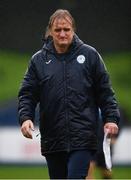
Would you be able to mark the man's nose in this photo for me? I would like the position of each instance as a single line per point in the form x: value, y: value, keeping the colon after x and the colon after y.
x: 62, y: 33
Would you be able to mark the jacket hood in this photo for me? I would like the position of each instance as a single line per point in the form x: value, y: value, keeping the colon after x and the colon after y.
x: 48, y: 44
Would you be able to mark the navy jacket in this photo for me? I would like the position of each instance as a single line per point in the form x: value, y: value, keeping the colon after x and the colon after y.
x: 69, y: 88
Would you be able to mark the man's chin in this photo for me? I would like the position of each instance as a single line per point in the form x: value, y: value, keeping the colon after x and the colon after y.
x: 64, y: 44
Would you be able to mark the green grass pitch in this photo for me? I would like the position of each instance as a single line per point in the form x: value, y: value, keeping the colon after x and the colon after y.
x: 41, y: 172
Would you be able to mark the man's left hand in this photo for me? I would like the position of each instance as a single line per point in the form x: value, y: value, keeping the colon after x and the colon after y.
x: 112, y: 128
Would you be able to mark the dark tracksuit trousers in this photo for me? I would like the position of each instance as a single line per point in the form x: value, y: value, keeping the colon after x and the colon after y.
x: 69, y: 165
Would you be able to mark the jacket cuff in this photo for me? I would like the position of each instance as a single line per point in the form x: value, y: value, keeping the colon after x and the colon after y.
x: 113, y: 120
x: 23, y: 119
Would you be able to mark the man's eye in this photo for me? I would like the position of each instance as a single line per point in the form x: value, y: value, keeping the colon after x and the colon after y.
x: 66, y: 29
x: 57, y: 30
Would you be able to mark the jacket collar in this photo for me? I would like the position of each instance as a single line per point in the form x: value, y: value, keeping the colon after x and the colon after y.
x: 48, y: 44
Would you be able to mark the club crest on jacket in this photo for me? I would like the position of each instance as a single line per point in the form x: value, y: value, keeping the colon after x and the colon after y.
x: 81, y: 59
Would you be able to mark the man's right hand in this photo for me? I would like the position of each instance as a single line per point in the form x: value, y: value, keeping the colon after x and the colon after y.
x: 26, y: 129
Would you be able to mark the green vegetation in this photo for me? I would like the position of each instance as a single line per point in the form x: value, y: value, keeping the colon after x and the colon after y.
x: 41, y: 172
x: 119, y: 67
x: 12, y: 69
x: 13, y: 66
x: 23, y: 172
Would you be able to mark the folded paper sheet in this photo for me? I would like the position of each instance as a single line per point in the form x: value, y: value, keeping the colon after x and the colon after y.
x: 107, y: 151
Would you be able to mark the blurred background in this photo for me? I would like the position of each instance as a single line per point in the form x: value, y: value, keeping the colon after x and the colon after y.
x: 103, y: 24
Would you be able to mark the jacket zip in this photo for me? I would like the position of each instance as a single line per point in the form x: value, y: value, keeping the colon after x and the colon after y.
x: 66, y: 106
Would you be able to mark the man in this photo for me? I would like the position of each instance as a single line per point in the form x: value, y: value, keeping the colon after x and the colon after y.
x: 70, y: 82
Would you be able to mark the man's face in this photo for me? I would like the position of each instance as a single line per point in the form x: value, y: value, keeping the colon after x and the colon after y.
x: 62, y: 32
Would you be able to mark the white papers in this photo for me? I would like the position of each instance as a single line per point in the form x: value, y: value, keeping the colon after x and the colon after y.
x: 107, y: 151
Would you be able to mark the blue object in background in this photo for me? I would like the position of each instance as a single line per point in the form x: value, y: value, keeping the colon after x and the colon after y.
x: 9, y: 114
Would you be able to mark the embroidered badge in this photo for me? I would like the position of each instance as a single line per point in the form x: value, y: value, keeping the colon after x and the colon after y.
x: 81, y: 59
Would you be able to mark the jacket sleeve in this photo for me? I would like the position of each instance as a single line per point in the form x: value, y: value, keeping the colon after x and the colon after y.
x: 28, y: 95
x: 105, y: 96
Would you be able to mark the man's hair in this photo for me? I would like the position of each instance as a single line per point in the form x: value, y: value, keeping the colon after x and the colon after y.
x: 60, y: 13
